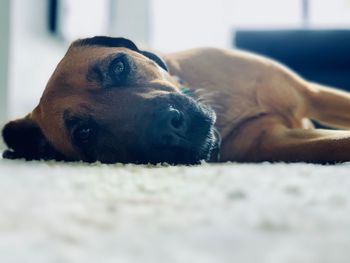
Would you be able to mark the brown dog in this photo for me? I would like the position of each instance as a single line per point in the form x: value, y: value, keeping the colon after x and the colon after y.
x: 109, y: 101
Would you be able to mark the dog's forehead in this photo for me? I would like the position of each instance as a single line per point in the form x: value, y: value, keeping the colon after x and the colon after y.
x: 85, y: 55
x: 72, y: 70
x: 71, y: 81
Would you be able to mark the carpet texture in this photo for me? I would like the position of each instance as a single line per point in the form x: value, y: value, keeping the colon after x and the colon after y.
x: 266, y: 213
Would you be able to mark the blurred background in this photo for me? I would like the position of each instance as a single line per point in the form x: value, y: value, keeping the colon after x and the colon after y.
x: 310, y: 36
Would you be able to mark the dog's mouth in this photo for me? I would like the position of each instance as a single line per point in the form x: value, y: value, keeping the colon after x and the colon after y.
x: 188, y: 138
x: 188, y: 153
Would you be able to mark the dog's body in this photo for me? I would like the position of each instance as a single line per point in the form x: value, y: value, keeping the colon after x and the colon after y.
x: 263, y: 109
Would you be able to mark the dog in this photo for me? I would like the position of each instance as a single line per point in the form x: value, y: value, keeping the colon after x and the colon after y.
x: 110, y: 101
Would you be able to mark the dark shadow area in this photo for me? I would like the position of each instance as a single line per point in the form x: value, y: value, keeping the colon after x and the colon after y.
x: 52, y: 16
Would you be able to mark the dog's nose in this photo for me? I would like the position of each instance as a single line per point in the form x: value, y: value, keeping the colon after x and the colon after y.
x: 171, y: 127
x: 175, y: 119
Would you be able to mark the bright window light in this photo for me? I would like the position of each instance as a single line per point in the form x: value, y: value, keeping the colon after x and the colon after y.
x: 263, y: 14
x: 330, y: 13
x: 82, y: 18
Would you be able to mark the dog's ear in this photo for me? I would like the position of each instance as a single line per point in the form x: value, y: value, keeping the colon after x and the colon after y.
x: 119, y: 42
x: 25, y: 140
x: 106, y: 42
x: 156, y: 59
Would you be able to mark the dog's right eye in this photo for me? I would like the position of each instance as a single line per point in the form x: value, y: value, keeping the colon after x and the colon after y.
x: 83, y: 135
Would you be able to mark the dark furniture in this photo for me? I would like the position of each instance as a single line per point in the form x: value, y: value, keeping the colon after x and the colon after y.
x: 318, y: 55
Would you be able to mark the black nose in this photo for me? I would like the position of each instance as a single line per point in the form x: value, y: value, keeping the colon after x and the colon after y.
x: 170, y: 127
x: 175, y: 119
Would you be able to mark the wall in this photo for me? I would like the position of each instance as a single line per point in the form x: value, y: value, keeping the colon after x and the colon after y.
x: 131, y: 19
x: 4, y: 46
x: 183, y: 24
x: 34, y: 55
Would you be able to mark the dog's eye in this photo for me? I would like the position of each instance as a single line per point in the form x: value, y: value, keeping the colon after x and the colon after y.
x: 119, y: 69
x: 83, y: 135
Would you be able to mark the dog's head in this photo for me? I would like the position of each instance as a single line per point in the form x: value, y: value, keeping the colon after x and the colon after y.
x: 109, y: 101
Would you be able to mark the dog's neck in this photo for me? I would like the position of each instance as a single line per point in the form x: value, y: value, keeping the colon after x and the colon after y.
x: 182, y: 85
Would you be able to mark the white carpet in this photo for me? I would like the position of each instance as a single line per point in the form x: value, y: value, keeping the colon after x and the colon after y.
x: 264, y: 213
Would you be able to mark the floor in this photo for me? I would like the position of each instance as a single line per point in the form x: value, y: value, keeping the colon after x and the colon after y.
x: 266, y: 213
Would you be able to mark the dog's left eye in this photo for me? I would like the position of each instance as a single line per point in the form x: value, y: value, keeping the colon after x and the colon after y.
x: 119, y: 69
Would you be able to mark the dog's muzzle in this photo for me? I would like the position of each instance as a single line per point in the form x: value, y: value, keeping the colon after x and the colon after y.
x: 183, y: 132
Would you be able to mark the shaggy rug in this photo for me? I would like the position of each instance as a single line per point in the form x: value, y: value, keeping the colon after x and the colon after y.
x: 266, y: 213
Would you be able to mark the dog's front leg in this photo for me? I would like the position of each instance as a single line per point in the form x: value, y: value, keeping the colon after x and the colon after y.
x: 300, y: 145
x: 269, y: 140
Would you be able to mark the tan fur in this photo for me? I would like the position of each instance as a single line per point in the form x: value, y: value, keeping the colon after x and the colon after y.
x: 264, y: 108
x: 69, y: 89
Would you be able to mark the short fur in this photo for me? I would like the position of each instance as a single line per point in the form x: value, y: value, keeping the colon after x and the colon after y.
x: 264, y: 110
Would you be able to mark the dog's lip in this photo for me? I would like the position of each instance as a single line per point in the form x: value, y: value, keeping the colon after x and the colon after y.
x: 189, y: 152
x: 214, y: 155
x: 181, y: 136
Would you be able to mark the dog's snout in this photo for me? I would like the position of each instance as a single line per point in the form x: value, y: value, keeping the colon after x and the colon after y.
x: 175, y: 119
x: 170, y: 127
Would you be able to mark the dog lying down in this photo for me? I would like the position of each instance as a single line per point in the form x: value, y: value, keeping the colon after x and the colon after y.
x: 109, y: 101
